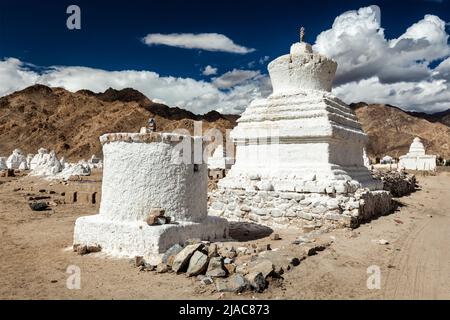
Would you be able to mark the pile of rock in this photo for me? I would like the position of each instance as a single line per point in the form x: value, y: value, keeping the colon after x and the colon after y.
x: 84, y: 249
x: 249, y: 267
x: 292, y: 209
x: 399, y: 183
x: 231, y: 269
x: 43, y: 200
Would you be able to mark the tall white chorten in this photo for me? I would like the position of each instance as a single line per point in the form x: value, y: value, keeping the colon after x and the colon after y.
x: 416, y: 159
x: 300, y: 139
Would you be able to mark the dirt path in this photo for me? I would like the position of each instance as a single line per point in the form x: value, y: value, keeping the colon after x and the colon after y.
x: 424, y: 261
x: 414, y: 265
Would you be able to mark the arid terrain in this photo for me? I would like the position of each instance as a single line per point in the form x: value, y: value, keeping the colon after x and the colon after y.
x: 391, y: 130
x: 36, y: 251
x: 71, y: 123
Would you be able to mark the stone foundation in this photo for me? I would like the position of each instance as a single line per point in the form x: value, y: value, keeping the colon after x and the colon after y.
x: 293, y: 209
x: 399, y: 184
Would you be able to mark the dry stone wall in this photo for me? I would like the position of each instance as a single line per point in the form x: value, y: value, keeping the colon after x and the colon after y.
x: 292, y: 209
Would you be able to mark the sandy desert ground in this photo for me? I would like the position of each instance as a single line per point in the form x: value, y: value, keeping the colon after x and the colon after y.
x: 35, y: 254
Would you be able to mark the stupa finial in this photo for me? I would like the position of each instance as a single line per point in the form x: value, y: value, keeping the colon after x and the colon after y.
x: 302, y: 34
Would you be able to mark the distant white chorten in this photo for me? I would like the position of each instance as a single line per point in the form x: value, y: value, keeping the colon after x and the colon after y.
x: 416, y: 159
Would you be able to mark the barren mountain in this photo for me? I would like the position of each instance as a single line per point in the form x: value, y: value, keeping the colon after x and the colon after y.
x: 71, y: 123
x: 442, y: 117
x: 391, y: 130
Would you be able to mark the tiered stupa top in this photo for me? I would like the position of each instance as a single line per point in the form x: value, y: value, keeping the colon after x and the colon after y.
x: 416, y: 148
x: 302, y: 69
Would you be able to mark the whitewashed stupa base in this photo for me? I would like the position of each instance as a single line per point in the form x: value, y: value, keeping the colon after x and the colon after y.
x: 130, y: 239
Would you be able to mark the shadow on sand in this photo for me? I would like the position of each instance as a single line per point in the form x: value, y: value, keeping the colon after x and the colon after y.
x: 248, y: 231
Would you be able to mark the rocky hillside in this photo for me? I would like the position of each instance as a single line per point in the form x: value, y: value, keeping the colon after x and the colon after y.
x: 442, y: 117
x: 71, y: 123
x: 391, y: 130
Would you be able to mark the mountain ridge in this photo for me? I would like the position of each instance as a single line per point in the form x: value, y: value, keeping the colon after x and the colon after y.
x: 71, y: 122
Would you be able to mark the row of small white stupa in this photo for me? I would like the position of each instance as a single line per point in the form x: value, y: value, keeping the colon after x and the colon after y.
x: 46, y: 164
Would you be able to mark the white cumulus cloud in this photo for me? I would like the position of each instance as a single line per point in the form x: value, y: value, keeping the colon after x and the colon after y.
x: 209, y: 71
x: 203, y: 41
x: 411, y: 71
x: 194, y: 95
x: 235, y: 77
x: 398, y: 71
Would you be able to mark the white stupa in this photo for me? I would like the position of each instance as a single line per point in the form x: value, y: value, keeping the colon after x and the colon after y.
x: 416, y: 159
x: 144, y: 171
x: 387, y: 160
x: 45, y: 164
x: 16, y: 160
x: 300, y: 139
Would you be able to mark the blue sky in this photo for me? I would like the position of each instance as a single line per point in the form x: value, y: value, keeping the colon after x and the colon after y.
x: 36, y: 46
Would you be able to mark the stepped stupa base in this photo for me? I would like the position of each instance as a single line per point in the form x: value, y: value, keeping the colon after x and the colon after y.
x: 130, y: 239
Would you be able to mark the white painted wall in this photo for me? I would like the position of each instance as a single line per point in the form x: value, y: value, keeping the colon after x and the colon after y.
x: 140, y: 176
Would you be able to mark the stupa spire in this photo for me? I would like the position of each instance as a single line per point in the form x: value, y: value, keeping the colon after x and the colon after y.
x: 302, y: 34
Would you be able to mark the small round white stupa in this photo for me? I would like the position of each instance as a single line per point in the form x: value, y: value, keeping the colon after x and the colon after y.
x: 45, y: 164
x: 142, y: 172
x: 16, y: 159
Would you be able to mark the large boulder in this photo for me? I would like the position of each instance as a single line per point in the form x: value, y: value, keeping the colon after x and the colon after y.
x: 181, y: 260
x: 197, y: 264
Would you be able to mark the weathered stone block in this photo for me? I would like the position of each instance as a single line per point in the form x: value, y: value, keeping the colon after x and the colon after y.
x: 276, y: 213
